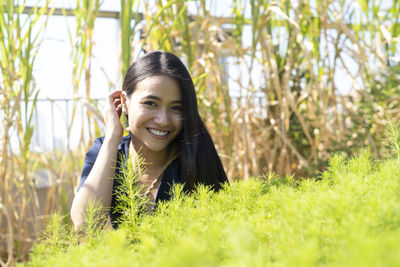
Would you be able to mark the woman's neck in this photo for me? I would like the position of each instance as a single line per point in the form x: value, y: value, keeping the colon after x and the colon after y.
x: 152, y: 160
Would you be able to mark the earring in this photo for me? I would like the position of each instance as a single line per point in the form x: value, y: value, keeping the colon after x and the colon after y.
x: 124, y: 120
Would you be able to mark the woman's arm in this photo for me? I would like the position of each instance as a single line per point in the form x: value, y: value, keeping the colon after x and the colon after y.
x: 99, y: 183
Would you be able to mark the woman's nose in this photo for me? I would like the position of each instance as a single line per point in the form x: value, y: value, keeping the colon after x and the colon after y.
x: 162, y: 118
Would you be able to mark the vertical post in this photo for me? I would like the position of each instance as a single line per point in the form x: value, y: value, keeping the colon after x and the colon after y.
x: 37, y: 126
x: 67, y: 123
x: 52, y: 124
x: 83, y: 124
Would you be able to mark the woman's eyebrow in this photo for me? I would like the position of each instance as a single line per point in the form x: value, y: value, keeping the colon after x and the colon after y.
x: 152, y: 97
x: 159, y: 99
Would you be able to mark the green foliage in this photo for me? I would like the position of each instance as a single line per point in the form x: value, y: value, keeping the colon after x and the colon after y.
x: 131, y: 202
x: 348, y: 217
x: 59, y: 237
x: 56, y: 238
x: 378, y: 102
x: 127, y: 32
x: 94, y: 221
x: 393, y: 137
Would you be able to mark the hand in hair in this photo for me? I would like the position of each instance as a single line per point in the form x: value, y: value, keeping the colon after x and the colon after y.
x: 112, y: 113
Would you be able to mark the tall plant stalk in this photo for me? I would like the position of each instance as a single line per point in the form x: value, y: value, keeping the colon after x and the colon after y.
x: 82, y: 45
x: 129, y: 19
x: 19, y: 42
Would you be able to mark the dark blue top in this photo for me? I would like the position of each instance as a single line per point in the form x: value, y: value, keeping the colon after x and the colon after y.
x: 172, y: 174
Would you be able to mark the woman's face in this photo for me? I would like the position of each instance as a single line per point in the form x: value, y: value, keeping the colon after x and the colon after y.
x: 155, y: 112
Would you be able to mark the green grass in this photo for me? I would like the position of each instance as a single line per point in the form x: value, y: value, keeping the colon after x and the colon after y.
x: 348, y: 217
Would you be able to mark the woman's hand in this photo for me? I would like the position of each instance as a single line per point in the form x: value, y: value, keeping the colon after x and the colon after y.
x: 112, y: 113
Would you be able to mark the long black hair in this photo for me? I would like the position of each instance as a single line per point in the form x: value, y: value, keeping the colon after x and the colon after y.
x: 199, y: 159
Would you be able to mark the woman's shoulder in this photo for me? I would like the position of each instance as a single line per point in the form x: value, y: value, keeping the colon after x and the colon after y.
x: 125, y: 139
x: 122, y: 147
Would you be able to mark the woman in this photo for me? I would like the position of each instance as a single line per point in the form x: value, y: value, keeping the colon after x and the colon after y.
x: 166, y: 130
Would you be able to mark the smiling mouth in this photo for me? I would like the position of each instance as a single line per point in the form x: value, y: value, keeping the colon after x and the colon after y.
x: 158, y: 132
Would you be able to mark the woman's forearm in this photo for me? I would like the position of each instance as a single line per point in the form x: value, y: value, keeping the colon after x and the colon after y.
x: 99, y: 183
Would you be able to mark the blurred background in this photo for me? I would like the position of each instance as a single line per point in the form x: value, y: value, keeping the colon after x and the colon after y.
x: 281, y: 85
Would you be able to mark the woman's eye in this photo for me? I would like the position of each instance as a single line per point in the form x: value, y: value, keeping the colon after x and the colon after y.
x: 150, y: 103
x: 177, y: 108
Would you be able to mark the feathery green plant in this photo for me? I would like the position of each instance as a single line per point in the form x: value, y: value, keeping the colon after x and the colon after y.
x: 350, y: 217
x: 59, y: 236
x: 131, y: 203
x: 95, y: 220
x: 392, y: 139
x: 56, y: 232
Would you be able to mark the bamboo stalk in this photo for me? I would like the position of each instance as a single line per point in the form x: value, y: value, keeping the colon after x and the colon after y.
x: 18, y: 53
x: 10, y: 238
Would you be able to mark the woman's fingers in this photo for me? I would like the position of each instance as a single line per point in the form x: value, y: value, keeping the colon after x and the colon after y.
x: 114, y: 99
x: 116, y: 94
x: 117, y: 101
x: 118, y: 109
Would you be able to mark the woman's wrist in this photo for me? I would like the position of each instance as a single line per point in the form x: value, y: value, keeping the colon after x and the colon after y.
x: 112, y: 140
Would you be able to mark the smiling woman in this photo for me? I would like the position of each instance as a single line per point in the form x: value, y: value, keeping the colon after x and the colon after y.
x: 165, y: 130
x: 155, y: 114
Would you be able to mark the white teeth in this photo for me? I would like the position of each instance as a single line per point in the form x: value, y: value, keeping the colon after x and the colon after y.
x: 157, y: 132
